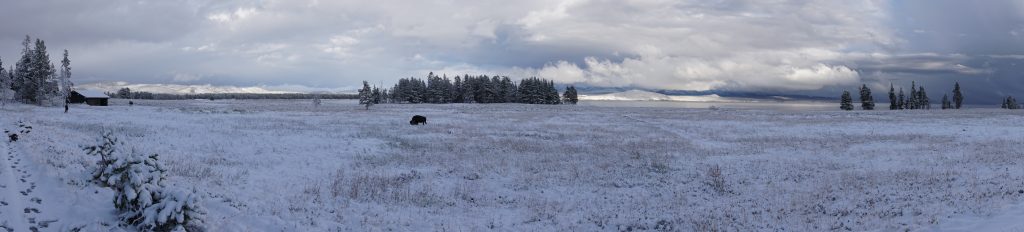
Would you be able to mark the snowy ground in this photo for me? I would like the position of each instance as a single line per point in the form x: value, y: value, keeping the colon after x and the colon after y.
x: 285, y: 166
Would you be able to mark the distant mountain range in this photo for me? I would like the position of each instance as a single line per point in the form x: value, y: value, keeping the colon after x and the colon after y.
x: 193, y: 89
x: 717, y: 94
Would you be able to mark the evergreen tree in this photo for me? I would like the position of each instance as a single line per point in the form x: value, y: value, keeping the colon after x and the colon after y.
x: 867, y: 102
x: 366, y: 95
x: 376, y: 95
x: 570, y: 96
x: 958, y: 97
x: 65, y: 77
x: 893, y: 105
x: 946, y: 104
x: 912, y: 98
x: 5, y: 84
x: 901, y: 102
x: 922, y: 99
x: 124, y: 93
x: 24, y: 85
x: 1010, y: 103
x: 43, y: 74
x: 456, y: 93
x: 846, y: 102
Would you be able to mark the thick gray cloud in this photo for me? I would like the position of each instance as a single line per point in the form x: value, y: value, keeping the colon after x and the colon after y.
x: 813, y: 47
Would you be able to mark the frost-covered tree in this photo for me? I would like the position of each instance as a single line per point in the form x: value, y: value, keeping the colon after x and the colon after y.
x: 893, y: 105
x: 867, y: 102
x: 134, y: 177
x: 845, y: 101
x: 366, y: 95
x: 5, y: 84
x: 24, y: 84
x: 65, y: 77
x: 44, y: 74
x: 958, y: 97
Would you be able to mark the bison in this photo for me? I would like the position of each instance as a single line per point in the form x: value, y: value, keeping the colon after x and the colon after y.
x: 418, y: 119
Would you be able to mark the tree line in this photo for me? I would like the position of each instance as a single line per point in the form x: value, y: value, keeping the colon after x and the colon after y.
x: 33, y: 79
x: 468, y: 89
x: 916, y: 100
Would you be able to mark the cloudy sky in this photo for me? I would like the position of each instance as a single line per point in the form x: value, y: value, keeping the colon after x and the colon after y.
x: 772, y: 46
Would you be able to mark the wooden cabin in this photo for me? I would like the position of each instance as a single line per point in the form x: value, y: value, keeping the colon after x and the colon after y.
x: 91, y: 97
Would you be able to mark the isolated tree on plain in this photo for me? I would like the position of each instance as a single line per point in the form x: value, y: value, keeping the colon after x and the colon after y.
x: 946, y: 104
x: 366, y: 95
x: 845, y: 101
x: 316, y: 101
x: 958, y: 97
x: 893, y: 105
x: 867, y: 102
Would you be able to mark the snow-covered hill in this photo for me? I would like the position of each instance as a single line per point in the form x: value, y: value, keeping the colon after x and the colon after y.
x: 180, y: 89
x: 640, y: 95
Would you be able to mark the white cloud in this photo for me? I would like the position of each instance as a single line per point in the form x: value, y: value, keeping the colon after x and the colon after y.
x: 662, y: 44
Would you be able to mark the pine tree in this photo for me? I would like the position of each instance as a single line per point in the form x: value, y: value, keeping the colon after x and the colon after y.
x: 901, y: 102
x: 457, y: 90
x: 24, y: 85
x: 5, y: 84
x: 912, y: 98
x: 65, y: 77
x: 922, y: 99
x: 376, y: 95
x: 958, y: 97
x: 846, y: 102
x: 893, y: 105
x: 570, y: 96
x: 366, y: 95
x: 1011, y: 103
x: 43, y: 74
x: 867, y: 102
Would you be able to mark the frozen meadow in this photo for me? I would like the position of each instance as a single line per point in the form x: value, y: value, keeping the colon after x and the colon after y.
x: 268, y: 165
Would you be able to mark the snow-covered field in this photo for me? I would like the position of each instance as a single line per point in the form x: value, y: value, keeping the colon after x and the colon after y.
x: 285, y: 166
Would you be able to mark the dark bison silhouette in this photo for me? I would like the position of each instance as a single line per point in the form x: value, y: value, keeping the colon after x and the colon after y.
x: 418, y: 119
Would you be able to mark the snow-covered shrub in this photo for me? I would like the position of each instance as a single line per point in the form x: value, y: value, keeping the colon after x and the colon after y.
x: 175, y: 210
x: 139, y: 193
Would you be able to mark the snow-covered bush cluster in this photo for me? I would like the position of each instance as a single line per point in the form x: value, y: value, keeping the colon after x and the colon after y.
x: 139, y: 192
